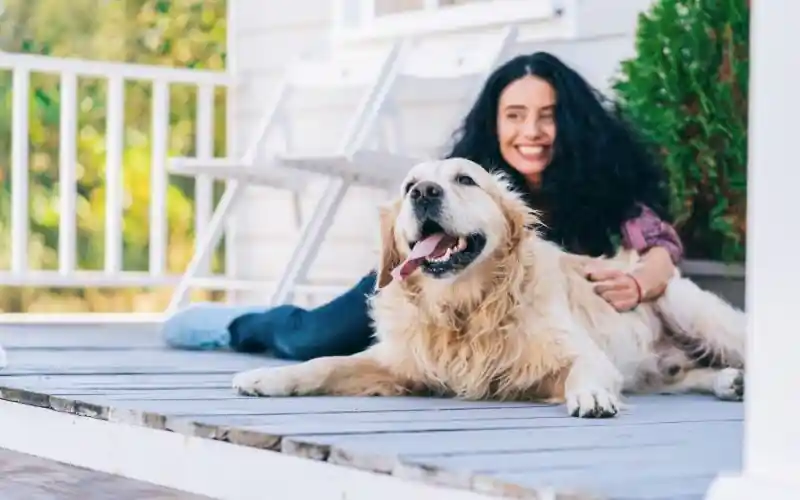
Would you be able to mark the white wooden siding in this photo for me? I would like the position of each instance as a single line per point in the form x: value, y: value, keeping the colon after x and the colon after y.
x: 267, y: 35
x: 593, y: 38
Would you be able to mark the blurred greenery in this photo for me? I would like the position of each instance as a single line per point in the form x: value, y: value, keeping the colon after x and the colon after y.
x: 174, y: 33
x: 687, y: 89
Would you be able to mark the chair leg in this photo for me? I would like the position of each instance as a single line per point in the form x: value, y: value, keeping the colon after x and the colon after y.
x: 205, y: 246
x: 310, y: 240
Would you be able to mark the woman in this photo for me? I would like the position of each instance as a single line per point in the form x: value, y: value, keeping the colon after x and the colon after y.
x: 541, y: 123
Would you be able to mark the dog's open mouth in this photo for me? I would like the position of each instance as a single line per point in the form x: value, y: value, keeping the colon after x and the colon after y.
x: 439, y: 253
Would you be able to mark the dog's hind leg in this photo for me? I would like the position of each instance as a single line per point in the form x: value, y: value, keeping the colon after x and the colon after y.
x: 711, y: 330
x: 357, y: 375
x: 725, y: 383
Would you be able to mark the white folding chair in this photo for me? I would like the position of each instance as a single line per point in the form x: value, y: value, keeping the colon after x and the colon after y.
x: 346, y: 71
x: 468, y: 56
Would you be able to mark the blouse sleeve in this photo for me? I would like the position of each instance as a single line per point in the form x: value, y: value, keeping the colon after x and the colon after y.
x: 648, y: 230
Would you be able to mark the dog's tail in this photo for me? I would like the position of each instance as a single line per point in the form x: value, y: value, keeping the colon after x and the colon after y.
x: 709, y: 329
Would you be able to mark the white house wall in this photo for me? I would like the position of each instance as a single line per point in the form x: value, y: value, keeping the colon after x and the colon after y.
x: 267, y: 34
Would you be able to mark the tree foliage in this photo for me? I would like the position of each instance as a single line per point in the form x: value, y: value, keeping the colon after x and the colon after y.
x: 175, y: 33
x: 687, y: 88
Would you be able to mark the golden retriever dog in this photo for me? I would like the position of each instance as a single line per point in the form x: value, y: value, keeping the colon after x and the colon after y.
x: 472, y: 303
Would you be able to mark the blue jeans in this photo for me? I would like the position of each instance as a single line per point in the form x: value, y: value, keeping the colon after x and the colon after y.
x: 340, y: 327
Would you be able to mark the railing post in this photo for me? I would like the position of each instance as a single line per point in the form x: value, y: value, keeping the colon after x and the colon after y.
x: 19, y: 171
x: 68, y: 192
x: 159, y: 179
x: 772, y: 433
x: 204, y: 185
x: 231, y: 134
x: 115, y: 128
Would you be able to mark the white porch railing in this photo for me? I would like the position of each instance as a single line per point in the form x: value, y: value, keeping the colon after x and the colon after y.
x: 116, y: 75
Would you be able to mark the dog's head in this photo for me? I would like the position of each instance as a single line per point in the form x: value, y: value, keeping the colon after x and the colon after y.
x: 451, y: 216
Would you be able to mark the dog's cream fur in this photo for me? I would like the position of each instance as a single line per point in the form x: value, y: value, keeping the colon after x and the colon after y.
x: 521, y: 322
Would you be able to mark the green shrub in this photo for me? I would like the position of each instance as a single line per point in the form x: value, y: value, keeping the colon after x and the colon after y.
x: 686, y: 88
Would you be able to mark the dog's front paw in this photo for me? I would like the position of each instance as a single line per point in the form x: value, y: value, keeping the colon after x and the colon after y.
x: 265, y: 382
x: 593, y: 390
x: 729, y: 384
x: 592, y: 403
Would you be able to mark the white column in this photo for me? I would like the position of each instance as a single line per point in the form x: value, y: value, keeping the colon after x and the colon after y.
x: 772, y: 400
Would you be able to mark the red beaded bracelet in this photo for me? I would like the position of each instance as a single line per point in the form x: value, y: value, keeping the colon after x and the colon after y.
x: 638, y: 288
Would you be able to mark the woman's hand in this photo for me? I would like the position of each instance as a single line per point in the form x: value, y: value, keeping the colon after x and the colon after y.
x: 620, y: 289
x: 624, y: 291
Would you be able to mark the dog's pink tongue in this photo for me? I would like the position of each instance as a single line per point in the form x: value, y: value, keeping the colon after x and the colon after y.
x: 435, y: 244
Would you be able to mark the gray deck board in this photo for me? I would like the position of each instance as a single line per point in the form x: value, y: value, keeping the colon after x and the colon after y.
x: 661, y: 447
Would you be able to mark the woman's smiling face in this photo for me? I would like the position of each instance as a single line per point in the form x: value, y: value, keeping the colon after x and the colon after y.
x: 526, y: 127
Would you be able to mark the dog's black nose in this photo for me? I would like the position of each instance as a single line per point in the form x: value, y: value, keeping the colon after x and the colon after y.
x: 426, y: 190
x: 427, y: 197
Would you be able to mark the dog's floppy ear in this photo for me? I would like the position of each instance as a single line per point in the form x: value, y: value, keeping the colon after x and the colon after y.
x: 389, y: 255
x: 520, y: 217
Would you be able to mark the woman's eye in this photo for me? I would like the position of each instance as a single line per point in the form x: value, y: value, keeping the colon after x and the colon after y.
x: 465, y: 180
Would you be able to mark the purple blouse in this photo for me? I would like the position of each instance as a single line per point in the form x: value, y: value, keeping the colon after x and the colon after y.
x: 648, y: 230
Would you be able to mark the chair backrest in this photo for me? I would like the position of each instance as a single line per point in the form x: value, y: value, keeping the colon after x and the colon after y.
x: 431, y: 61
x: 362, y: 69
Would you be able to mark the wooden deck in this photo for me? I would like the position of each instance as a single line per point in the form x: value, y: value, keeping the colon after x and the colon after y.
x: 663, y: 447
x: 24, y: 477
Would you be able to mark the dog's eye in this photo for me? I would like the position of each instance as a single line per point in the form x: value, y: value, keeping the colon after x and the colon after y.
x: 465, y: 180
x: 407, y: 187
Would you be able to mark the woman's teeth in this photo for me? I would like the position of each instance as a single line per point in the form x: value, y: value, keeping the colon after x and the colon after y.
x: 530, y: 150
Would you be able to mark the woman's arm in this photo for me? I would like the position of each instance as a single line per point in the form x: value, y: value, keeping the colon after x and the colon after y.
x: 654, y: 274
x: 661, y: 250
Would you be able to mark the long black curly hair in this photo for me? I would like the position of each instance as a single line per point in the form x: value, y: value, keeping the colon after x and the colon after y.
x: 600, y: 170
